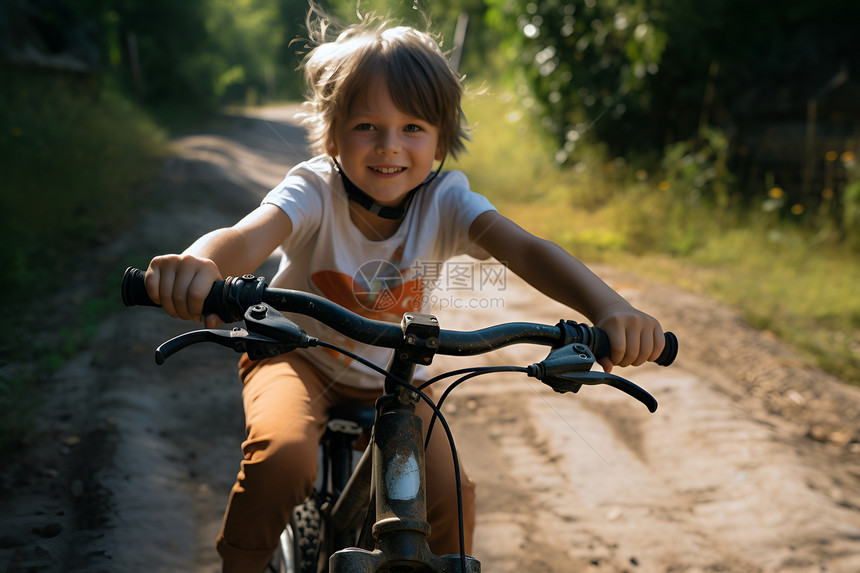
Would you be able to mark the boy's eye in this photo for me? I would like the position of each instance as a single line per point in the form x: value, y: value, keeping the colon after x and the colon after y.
x: 364, y: 127
x: 412, y: 128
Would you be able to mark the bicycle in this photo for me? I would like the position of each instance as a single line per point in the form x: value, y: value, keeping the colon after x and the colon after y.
x: 377, y: 521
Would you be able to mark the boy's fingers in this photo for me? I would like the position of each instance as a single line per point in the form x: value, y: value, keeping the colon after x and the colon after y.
x: 198, y: 289
x: 631, y: 350
x: 189, y: 291
x: 659, y: 344
x: 181, y: 294
x: 165, y: 293
x: 633, y: 340
x: 180, y: 284
x: 646, y: 347
x: 617, y: 343
x: 606, y: 364
x: 151, y: 282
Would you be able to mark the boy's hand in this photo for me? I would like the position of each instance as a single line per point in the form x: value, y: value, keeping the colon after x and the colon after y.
x: 180, y: 283
x: 634, y: 337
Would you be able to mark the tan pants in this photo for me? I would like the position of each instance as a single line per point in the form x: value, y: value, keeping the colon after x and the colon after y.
x: 286, y: 403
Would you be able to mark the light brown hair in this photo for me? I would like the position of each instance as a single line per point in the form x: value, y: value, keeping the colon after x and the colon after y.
x: 418, y: 77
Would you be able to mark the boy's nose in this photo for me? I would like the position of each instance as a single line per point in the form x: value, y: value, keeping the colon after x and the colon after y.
x: 389, y: 142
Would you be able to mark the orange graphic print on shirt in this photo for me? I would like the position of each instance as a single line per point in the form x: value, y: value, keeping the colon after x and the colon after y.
x: 376, y: 290
x: 381, y: 299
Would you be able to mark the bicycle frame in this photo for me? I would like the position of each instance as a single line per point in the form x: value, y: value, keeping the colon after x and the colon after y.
x: 397, y: 493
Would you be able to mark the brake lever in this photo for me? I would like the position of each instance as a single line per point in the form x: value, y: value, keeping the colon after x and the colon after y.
x: 239, y: 339
x: 566, y: 369
x: 573, y: 382
x: 271, y: 334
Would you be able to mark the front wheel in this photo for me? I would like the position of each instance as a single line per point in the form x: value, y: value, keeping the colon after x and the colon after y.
x: 301, y: 538
x: 298, y: 547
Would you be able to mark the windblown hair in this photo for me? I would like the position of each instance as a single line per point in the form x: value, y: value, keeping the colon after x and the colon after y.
x: 418, y: 77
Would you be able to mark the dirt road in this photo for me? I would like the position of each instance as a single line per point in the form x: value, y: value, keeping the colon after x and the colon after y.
x: 750, y: 464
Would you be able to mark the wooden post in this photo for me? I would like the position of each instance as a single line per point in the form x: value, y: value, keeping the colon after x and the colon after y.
x: 809, y: 167
x: 707, y: 100
x: 459, y: 40
x: 135, y: 65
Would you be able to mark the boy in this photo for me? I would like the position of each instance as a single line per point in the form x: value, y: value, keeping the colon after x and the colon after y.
x: 384, y: 108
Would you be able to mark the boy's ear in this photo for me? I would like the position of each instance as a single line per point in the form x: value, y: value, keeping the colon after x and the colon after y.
x: 440, y: 152
x: 331, y: 147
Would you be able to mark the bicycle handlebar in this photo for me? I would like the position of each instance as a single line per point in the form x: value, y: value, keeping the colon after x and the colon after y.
x: 230, y: 298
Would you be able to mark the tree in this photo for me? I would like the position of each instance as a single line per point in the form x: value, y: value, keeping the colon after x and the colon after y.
x: 587, y: 63
x: 165, y: 50
x: 635, y: 73
x: 245, y: 39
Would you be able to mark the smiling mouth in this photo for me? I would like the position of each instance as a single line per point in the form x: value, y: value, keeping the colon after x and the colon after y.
x: 388, y: 170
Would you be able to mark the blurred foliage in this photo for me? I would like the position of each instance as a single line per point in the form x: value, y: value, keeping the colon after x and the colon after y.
x: 75, y: 154
x: 248, y: 35
x: 201, y: 53
x: 194, y: 53
x: 697, y: 169
x: 851, y: 202
x: 628, y: 71
x: 441, y: 17
x: 716, y: 93
x: 583, y: 60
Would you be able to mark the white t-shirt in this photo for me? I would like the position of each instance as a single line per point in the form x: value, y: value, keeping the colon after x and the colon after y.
x: 328, y: 255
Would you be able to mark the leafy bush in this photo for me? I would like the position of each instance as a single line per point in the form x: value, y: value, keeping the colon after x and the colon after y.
x: 75, y: 153
x: 638, y: 75
x: 851, y: 204
x: 586, y: 63
x: 696, y: 169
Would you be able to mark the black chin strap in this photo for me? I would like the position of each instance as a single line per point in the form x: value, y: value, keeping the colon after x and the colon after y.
x: 365, y: 201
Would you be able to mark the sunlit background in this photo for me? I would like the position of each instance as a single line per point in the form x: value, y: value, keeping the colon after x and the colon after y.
x: 711, y: 144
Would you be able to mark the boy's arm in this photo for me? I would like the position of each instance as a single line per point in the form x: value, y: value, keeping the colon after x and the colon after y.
x: 634, y: 336
x: 180, y: 283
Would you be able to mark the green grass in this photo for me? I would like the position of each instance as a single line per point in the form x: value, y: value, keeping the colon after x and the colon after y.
x: 77, y: 158
x: 782, y: 281
x: 794, y: 281
x: 18, y: 402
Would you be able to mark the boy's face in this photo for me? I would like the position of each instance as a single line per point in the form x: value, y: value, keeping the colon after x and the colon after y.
x: 383, y: 150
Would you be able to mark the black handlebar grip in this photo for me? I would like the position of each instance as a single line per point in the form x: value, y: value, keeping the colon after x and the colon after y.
x: 670, y: 351
x: 134, y: 294
x: 134, y: 290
